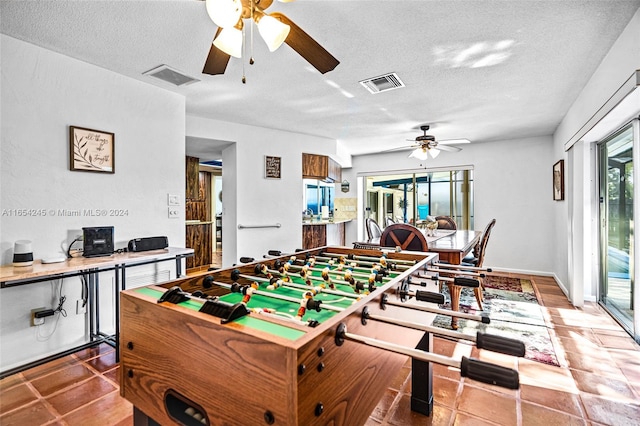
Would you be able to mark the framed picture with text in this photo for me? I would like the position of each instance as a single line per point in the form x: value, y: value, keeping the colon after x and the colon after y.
x: 272, y: 167
x: 558, y: 181
x: 91, y: 150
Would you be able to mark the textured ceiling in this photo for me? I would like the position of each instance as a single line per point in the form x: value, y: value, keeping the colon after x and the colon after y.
x: 481, y: 70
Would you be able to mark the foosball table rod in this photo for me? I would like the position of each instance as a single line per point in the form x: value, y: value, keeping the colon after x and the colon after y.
x: 279, y: 264
x: 457, y: 272
x: 463, y: 267
x: 367, y: 259
x: 486, y: 341
x: 384, y: 300
x: 469, y: 367
x: 300, y: 287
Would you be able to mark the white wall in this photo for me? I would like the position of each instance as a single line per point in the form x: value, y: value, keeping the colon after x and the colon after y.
x: 618, y: 65
x: 42, y: 94
x: 512, y: 183
x: 251, y: 199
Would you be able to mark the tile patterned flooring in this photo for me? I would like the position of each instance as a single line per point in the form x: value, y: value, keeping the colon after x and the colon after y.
x: 598, y: 382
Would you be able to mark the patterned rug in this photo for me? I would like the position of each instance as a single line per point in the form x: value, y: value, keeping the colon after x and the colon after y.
x: 513, y: 307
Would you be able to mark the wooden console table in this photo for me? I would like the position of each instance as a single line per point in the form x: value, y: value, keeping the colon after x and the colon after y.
x: 90, y: 268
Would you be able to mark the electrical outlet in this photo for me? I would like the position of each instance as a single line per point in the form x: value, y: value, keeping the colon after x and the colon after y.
x: 36, y: 321
x: 174, y: 213
x: 81, y: 307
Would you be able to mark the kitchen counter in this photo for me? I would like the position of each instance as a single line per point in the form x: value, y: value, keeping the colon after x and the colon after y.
x: 324, y: 222
x: 319, y: 233
x: 198, y: 222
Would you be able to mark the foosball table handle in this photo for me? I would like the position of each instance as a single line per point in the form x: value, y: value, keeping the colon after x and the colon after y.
x: 500, y: 344
x: 489, y: 373
x: 429, y: 296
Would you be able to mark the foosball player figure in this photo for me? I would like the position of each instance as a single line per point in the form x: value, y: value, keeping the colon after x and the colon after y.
x: 308, y: 302
x: 327, y: 278
x: 264, y: 270
x: 246, y: 290
x: 274, y: 283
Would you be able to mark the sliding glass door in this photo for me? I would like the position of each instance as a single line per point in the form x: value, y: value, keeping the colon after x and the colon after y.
x: 616, y: 227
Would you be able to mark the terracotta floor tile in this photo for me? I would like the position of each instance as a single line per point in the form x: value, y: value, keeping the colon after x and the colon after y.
x: 445, y: 392
x: 403, y: 416
x: 10, y: 381
x: 488, y: 405
x: 32, y: 414
x: 49, y: 367
x: 558, y: 400
x: 603, y: 386
x: 61, y: 379
x: 113, y: 375
x: 611, y: 412
x: 77, y: 396
x: 400, y: 381
x: 447, y: 372
x: 103, y: 362
x: 15, y: 397
x: 576, y: 333
x: 601, y: 365
x: 372, y: 422
x: 384, y: 404
x: 547, y: 376
x: 95, y: 351
x: 108, y: 410
x: 617, y: 342
x: 464, y: 419
x: 535, y: 415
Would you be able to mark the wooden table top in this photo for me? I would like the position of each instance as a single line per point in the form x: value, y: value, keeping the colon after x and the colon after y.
x: 10, y: 273
x: 459, y: 241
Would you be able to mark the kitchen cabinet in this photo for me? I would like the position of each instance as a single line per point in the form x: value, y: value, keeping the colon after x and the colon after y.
x: 192, y: 170
x: 321, y: 167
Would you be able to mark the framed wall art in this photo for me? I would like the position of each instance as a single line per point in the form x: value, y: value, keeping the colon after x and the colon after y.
x: 272, y: 167
x: 91, y: 150
x: 558, y: 181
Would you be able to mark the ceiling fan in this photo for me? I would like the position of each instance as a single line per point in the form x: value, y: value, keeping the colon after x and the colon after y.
x: 426, y: 146
x: 275, y: 28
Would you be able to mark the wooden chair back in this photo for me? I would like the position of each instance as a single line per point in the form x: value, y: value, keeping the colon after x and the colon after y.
x: 446, y: 222
x: 483, y: 243
x: 405, y: 236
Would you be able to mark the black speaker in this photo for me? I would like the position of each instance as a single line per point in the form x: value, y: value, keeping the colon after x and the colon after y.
x: 148, y: 243
x: 97, y: 241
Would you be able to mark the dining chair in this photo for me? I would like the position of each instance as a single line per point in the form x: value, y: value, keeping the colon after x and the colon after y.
x: 388, y: 221
x: 405, y: 236
x: 477, y: 262
x: 373, y: 229
x: 446, y: 222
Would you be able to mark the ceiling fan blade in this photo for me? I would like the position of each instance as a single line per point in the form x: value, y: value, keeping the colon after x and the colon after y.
x: 307, y: 47
x: 448, y: 148
x: 217, y: 60
x: 453, y: 141
x: 399, y: 148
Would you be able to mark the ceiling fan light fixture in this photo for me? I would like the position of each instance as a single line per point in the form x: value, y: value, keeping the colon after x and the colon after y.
x: 272, y: 31
x: 224, y: 13
x: 230, y: 41
x: 419, y: 153
x: 434, y: 152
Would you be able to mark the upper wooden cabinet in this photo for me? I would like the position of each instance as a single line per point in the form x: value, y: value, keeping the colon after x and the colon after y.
x: 321, y: 167
x: 192, y: 179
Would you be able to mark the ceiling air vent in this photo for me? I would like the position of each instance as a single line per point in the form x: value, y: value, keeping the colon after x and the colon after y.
x: 170, y: 75
x: 382, y: 83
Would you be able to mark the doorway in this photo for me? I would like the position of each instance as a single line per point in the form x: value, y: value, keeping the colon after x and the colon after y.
x: 616, y: 195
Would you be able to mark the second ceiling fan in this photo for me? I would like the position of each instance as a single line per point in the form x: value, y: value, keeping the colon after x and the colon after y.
x: 426, y: 146
x: 275, y: 28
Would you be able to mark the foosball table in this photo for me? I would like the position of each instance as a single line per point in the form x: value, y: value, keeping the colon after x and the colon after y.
x: 309, y: 339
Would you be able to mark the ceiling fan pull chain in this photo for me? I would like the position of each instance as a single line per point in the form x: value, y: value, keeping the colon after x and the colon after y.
x: 251, y: 61
x: 244, y: 78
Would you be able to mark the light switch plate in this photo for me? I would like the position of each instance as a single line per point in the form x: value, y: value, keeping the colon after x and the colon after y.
x: 173, y: 200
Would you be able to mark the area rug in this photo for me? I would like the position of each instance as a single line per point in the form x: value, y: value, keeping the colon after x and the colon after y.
x: 513, y: 307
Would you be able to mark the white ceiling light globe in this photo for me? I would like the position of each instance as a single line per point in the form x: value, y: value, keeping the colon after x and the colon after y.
x: 224, y: 13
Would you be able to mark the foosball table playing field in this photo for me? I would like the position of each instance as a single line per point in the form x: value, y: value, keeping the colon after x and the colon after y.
x: 309, y: 339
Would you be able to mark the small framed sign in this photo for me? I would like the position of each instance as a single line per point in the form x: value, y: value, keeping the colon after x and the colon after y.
x: 272, y: 167
x: 558, y: 181
x: 91, y: 150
